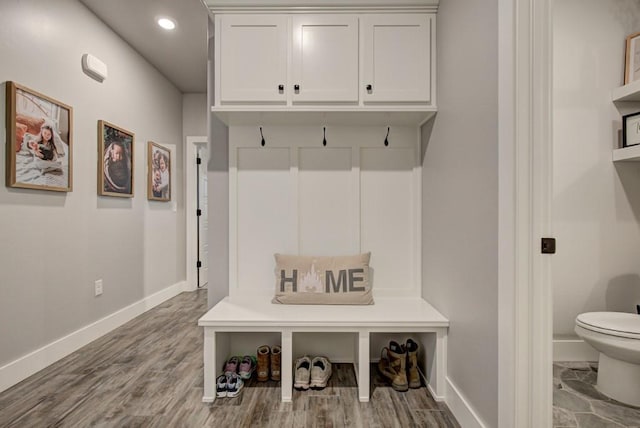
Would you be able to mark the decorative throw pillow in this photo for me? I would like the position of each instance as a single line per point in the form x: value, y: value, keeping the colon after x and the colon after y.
x: 307, y: 280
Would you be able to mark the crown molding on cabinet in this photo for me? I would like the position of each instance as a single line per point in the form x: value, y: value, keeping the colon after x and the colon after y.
x: 332, y: 6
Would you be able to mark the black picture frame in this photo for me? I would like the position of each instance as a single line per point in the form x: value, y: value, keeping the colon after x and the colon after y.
x: 631, y: 129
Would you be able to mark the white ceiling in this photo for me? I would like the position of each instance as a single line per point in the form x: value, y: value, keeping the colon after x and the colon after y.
x: 180, y: 55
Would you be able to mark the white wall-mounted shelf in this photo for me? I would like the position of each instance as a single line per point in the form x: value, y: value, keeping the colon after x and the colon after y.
x: 628, y: 95
x: 627, y: 154
x: 628, y: 92
x: 310, y: 116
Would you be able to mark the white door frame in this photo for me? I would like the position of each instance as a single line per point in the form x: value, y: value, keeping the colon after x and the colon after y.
x: 190, y: 180
x: 525, y: 151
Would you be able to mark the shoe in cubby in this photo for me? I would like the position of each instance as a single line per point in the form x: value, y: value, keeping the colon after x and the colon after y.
x: 231, y: 366
x: 221, y: 386
x: 413, y: 376
x: 393, y: 366
x: 320, y: 372
x: 234, y: 385
x: 247, y: 367
x: 263, y: 363
x: 276, y: 351
x: 302, y: 373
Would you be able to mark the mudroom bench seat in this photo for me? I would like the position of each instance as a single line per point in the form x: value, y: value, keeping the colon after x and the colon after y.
x: 388, y: 316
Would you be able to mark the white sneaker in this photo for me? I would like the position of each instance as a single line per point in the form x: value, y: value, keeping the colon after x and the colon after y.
x: 303, y: 372
x: 221, y: 386
x: 234, y: 385
x: 320, y: 372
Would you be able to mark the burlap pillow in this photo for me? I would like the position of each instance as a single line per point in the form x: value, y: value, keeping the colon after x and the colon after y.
x: 304, y: 280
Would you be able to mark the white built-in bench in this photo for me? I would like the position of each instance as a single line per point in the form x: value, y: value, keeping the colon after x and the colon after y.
x: 370, y: 327
x: 295, y: 195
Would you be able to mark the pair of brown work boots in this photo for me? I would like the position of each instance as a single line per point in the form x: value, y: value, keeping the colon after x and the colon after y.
x: 400, y: 365
x: 268, y: 363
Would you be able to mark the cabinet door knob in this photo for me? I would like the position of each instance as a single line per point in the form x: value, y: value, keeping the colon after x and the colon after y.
x: 281, y: 88
x: 296, y: 87
x: 369, y: 87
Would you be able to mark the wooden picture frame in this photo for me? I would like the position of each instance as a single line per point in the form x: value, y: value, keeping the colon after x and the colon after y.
x: 631, y: 129
x: 632, y: 58
x: 115, y: 160
x: 158, y: 172
x: 39, y: 141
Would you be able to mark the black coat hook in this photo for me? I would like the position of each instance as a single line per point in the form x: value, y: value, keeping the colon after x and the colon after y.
x: 386, y: 139
x: 324, y: 135
x: 262, y: 136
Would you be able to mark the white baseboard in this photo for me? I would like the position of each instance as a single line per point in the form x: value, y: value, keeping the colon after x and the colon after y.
x: 462, y: 411
x: 573, y: 350
x: 23, y: 367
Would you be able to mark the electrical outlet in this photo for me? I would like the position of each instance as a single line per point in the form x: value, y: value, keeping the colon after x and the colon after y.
x: 98, y: 287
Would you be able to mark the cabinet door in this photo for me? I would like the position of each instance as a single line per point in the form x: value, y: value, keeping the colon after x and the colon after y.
x: 253, y: 58
x: 397, y: 58
x: 325, y: 58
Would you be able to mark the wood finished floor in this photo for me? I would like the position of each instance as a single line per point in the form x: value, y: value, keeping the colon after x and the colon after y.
x: 148, y: 373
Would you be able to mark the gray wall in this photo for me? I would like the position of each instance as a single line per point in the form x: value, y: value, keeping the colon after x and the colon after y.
x: 596, y: 203
x: 54, y: 245
x: 194, y: 114
x: 460, y: 199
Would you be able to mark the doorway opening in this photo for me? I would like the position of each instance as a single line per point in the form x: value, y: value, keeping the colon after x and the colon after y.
x: 196, y: 158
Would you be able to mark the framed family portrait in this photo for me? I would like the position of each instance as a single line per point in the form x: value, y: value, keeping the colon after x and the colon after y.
x: 39, y: 141
x: 159, y: 172
x: 632, y: 59
x: 631, y: 129
x: 115, y: 160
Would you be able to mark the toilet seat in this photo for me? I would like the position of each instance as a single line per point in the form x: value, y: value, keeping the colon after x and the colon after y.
x: 620, y: 324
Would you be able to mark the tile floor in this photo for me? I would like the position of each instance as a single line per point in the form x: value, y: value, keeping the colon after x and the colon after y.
x: 577, y: 403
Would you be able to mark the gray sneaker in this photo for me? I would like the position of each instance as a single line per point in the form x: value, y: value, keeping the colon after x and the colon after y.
x: 221, y: 386
x: 302, y: 373
x: 234, y: 385
x: 320, y: 372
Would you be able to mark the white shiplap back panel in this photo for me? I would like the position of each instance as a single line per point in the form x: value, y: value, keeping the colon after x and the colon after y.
x: 296, y: 196
x: 388, y: 217
x: 326, y: 202
x: 264, y: 216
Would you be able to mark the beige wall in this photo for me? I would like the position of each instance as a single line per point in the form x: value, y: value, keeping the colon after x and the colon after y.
x: 53, y: 246
x: 460, y: 199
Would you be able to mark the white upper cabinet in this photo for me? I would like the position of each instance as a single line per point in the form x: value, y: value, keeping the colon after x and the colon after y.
x: 370, y: 61
x: 397, y: 58
x: 253, y: 59
x: 325, y: 58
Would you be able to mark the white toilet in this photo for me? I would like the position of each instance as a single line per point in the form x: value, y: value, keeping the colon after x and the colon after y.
x: 616, y: 335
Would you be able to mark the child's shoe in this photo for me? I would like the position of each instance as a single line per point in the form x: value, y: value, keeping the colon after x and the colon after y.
x: 231, y: 366
x: 247, y: 366
x: 234, y: 385
x: 221, y: 386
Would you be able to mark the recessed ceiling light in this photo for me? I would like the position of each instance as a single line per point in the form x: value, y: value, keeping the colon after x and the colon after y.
x: 166, y: 23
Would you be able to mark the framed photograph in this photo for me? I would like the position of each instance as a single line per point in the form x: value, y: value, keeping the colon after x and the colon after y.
x: 632, y: 59
x: 631, y: 129
x: 115, y: 160
x: 39, y: 141
x: 159, y: 172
